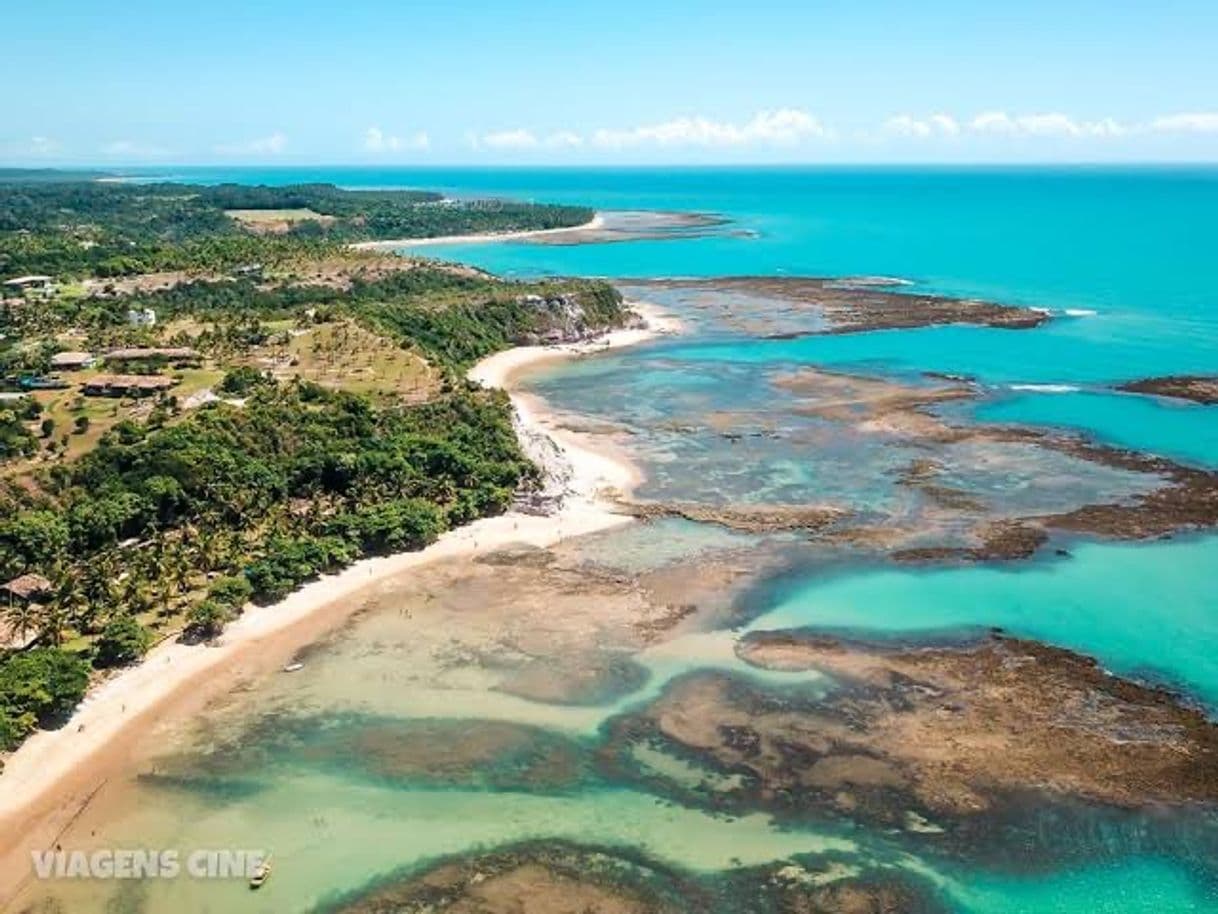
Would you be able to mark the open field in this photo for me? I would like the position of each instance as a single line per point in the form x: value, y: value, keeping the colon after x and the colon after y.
x: 275, y: 221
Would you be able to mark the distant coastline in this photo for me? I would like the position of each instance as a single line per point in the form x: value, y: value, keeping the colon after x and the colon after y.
x: 393, y: 244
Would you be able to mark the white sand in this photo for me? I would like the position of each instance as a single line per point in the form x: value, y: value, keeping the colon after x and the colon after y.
x: 594, y: 223
x: 48, y: 756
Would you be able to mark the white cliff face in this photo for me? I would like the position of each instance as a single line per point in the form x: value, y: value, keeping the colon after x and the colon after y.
x: 556, y: 471
x: 563, y: 318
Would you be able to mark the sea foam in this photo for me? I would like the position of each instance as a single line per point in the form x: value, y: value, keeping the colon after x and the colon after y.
x: 1045, y: 388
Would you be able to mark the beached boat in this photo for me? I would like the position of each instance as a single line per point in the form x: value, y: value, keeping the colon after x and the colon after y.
x: 261, y: 874
x: 293, y: 667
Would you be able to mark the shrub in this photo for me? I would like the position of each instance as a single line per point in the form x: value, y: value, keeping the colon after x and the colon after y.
x: 122, y: 641
x: 230, y: 591
x: 31, y: 539
x: 290, y: 561
x: 207, y: 619
x: 36, y: 686
x: 393, y: 526
x: 240, y: 381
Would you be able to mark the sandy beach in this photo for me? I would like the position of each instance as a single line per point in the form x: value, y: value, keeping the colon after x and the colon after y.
x: 394, y: 243
x: 53, y: 774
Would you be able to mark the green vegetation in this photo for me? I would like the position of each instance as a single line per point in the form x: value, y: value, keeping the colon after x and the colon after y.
x: 242, y: 380
x: 16, y: 440
x: 71, y: 229
x: 35, y: 688
x: 122, y: 641
x: 349, y: 431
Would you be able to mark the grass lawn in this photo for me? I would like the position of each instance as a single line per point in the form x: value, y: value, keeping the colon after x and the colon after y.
x: 347, y: 356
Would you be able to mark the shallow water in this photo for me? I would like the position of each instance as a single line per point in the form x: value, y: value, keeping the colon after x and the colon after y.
x: 1144, y: 885
x: 1183, y: 431
x: 1145, y: 609
x: 1129, y: 252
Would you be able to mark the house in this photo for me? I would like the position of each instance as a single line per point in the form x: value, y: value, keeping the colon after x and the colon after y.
x: 141, y: 317
x: 25, y: 590
x: 123, y: 385
x: 30, y: 285
x: 72, y: 361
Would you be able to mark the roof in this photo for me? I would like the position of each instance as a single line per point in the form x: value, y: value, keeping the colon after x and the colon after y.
x: 11, y: 640
x: 26, y: 280
x: 131, y: 381
x: 152, y: 353
x: 71, y: 358
x: 27, y: 585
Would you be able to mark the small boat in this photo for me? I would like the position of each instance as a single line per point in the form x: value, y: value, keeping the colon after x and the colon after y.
x: 261, y: 874
x: 293, y: 667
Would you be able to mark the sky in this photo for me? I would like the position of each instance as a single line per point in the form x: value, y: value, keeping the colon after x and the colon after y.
x: 383, y: 82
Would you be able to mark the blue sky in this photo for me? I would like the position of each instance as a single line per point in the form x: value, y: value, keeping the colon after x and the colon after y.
x: 265, y: 81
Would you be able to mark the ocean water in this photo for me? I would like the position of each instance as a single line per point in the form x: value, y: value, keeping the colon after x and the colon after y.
x: 1121, y: 258
x: 1146, y: 609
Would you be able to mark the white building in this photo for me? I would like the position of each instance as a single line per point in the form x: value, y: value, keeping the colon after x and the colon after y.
x: 31, y: 285
x: 141, y: 317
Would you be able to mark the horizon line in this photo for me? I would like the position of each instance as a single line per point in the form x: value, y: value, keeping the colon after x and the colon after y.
x: 1079, y: 163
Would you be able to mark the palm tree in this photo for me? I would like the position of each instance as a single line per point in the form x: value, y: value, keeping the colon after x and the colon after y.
x: 178, y: 567
x: 70, y: 594
x: 23, y: 618
x: 52, y: 620
x: 210, y: 548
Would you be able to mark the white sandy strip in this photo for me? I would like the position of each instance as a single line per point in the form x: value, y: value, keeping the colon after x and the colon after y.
x: 594, y: 223
x: 47, y: 756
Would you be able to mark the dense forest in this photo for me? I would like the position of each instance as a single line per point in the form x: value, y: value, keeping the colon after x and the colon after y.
x: 72, y: 229
x: 234, y: 503
x: 152, y: 518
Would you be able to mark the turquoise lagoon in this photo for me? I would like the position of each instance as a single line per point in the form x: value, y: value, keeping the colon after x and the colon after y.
x: 1122, y: 258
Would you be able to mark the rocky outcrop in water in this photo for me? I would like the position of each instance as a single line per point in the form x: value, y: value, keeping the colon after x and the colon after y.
x: 558, y: 878
x: 927, y: 739
x: 852, y: 306
x: 1198, y: 388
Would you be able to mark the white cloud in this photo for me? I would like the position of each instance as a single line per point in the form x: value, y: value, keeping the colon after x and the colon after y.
x: 376, y: 140
x: 32, y: 147
x: 131, y: 149
x: 521, y: 138
x: 785, y: 126
x: 904, y: 125
x: 267, y: 145
x: 999, y: 123
x: 909, y: 126
x: 1039, y: 125
x: 44, y: 145
x: 509, y: 139
x: 945, y: 124
x: 564, y: 139
x: 1189, y: 122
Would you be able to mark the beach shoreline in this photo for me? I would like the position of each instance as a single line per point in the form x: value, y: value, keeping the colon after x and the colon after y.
x: 393, y: 244
x: 50, y: 779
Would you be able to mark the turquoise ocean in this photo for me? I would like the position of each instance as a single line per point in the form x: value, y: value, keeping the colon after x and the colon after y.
x: 1126, y: 262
